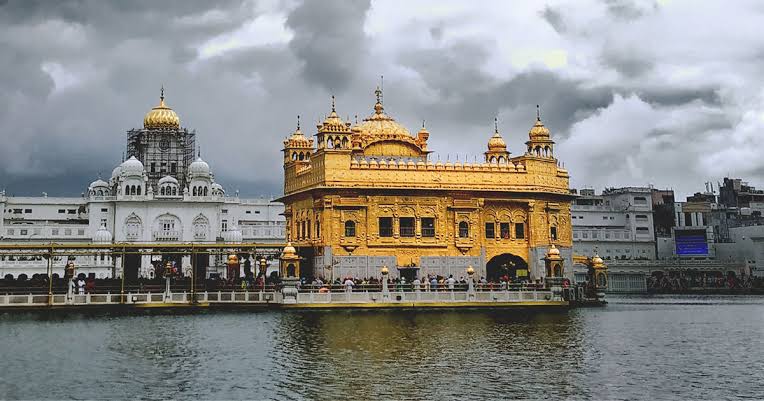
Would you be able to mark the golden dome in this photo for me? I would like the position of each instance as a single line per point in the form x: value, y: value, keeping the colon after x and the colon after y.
x: 333, y: 122
x: 539, y: 131
x: 496, y: 142
x: 385, y: 271
x: 553, y: 251
x: 597, y: 261
x: 297, y: 139
x: 380, y: 125
x: 161, y: 117
x: 289, y: 252
x: 470, y: 270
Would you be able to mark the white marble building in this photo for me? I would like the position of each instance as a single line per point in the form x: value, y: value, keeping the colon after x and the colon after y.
x: 617, y: 224
x: 134, y: 207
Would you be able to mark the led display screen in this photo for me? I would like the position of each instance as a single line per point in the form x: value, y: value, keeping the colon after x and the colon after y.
x: 691, y: 242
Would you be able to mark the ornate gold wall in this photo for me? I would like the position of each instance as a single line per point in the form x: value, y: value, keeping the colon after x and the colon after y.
x: 365, y: 175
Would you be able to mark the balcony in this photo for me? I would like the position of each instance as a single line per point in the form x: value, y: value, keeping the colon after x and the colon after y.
x: 167, y: 235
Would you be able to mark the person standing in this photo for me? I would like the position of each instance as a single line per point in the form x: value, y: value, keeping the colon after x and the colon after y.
x: 450, y: 282
x: 349, y: 285
x: 81, y: 287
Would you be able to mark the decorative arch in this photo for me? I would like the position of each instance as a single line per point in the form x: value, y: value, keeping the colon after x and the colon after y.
x: 506, y: 264
x: 167, y: 227
x: 201, y: 226
x: 464, y: 229
x: 350, y: 228
x: 133, y: 226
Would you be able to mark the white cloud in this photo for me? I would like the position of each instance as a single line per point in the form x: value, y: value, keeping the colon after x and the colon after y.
x: 263, y: 30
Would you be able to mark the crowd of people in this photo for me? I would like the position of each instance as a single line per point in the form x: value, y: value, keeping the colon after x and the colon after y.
x: 430, y: 282
x: 683, y: 281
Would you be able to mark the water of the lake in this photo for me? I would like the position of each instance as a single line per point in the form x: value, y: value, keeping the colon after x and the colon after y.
x: 635, y: 348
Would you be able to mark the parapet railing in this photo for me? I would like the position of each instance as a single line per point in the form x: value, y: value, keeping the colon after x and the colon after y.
x: 139, y: 298
x: 271, y: 296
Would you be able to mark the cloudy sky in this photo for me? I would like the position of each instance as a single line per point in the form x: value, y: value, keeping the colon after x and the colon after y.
x: 663, y: 92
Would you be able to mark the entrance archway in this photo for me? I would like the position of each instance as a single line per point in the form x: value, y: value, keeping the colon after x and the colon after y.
x: 506, y: 264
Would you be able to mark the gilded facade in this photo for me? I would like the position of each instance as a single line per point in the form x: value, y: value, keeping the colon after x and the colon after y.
x: 360, y: 196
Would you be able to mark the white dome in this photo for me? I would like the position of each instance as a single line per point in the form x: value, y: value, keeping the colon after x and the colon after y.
x: 132, y: 166
x: 215, y: 187
x: 168, y: 179
x: 102, y: 236
x: 199, y: 167
x: 116, y: 172
x: 232, y: 235
x: 98, y: 183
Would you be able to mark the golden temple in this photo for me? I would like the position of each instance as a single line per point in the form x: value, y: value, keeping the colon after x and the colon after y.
x: 366, y: 195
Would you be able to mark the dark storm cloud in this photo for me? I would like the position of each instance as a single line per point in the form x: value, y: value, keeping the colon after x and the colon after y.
x: 678, y: 96
x: 626, y: 9
x: 635, y: 90
x: 329, y: 40
x: 554, y: 18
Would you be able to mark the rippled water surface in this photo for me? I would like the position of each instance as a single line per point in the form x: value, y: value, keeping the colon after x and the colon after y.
x: 635, y: 348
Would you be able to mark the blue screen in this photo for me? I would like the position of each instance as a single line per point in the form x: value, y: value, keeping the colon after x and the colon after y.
x: 691, y: 242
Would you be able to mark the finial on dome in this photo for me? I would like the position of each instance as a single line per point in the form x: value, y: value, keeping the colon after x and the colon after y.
x: 161, y: 94
x: 538, y: 113
x: 199, y: 152
x: 496, y: 125
x: 423, y: 127
x: 333, y: 104
x: 378, y: 92
x: 356, y: 119
x: 298, y: 121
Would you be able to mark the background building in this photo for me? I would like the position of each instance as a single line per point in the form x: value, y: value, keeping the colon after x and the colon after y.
x: 617, y: 224
x: 173, y: 199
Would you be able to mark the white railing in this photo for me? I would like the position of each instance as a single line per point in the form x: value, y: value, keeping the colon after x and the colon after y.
x: 427, y: 296
x: 270, y: 297
x: 167, y: 235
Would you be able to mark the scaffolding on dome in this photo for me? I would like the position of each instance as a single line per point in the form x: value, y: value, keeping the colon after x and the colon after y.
x: 163, y: 152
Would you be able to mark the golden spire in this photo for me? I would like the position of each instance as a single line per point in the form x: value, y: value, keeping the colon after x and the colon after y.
x: 378, y: 108
x: 298, y: 122
x: 538, y: 113
x: 495, y: 125
x: 333, y: 110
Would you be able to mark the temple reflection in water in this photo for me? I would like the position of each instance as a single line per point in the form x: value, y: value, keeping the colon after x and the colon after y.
x: 365, y: 195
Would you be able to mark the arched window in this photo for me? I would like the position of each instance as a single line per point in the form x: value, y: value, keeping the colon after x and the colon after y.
x: 350, y: 228
x: 174, y: 191
x: 493, y: 159
x: 344, y: 143
x: 464, y: 229
x: 139, y: 190
x: 205, y: 191
x: 302, y: 156
x: 161, y: 191
x: 330, y: 143
x: 133, y: 190
x: 294, y: 155
x: 501, y: 160
x: 193, y: 191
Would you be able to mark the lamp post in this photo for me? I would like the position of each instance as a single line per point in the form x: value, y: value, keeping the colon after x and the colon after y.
x: 263, y: 270
x: 49, y: 257
x: 167, y: 275
x: 385, y: 291
x: 470, y: 283
x: 69, y: 272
